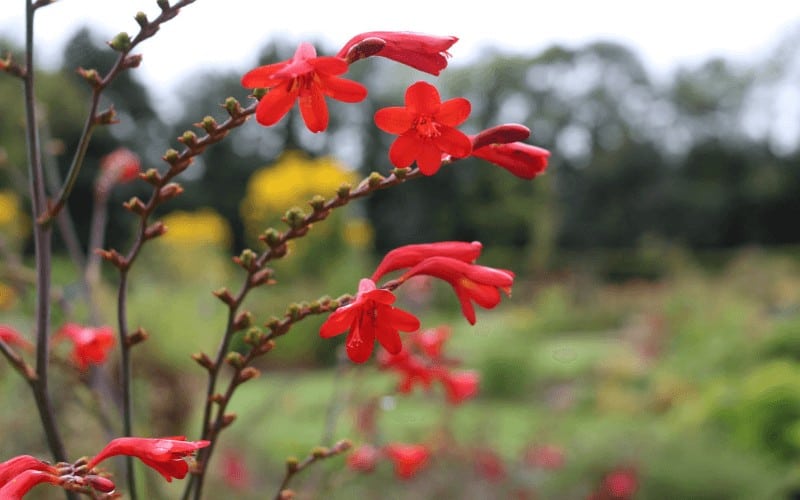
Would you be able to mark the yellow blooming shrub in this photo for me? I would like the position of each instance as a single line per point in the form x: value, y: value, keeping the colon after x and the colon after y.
x: 292, y: 181
x: 196, y: 240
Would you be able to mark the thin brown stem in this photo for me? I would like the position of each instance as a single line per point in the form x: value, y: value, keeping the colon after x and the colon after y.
x: 293, y: 467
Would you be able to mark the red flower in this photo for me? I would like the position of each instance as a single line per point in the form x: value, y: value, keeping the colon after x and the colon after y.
x: 426, y: 128
x: 19, y: 485
x: 13, y: 467
x: 305, y: 77
x: 12, y: 337
x: 369, y: 317
x: 500, y: 145
x: 470, y: 282
x: 407, y: 458
x: 364, y: 458
x: 621, y: 483
x: 431, y: 341
x: 411, y: 255
x: 165, y: 455
x: 426, y: 53
x: 121, y: 165
x: 91, y: 344
x: 461, y: 386
x: 412, y: 368
x: 234, y: 470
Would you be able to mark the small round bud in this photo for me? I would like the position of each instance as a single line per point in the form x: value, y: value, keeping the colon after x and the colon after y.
x: 121, y: 42
x: 401, y: 173
x: 151, y: 176
x: 235, y: 359
x: 209, y: 124
x: 246, y: 259
x: 317, y: 203
x: 294, y: 218
x: 141, y: 19
x: 248, y: 373
x: 171, y: 156
x: 163, y: 4
x: 228, y: 419
x: 189, y: 138
x: 253, y: 336
x: 320, y: 452
x: 170, y: 191
x: 137, y: 337
x: 225, y: 296
x: 344, y: 191
x: 272, y: 237
x: 203, y: 360
x: 292, y: 464
x: 243, y: 320
x: 233, y: 107
x: 375, y: 179
x: 258, y: 93
x: 135, y: 205
x: 155, y: 230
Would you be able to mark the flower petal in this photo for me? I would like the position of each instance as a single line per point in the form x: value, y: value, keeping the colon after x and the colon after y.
x: 454, y: 112
x: 389, y: 338
x: 429, y: 157
x: 422, y: 98
x: 454, y: 142
x: 404, y: 150
x: 344, y: 90
x: 359, y: 344
x: 274, y: 106
x: 263, y: 76
x: 394, y: 120
x: 314, y: 110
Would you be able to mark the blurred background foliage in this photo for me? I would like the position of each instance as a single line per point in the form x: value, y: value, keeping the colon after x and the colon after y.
x: 655, y: 322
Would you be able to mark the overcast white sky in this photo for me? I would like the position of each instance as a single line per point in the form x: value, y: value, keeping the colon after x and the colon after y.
x: 209, y: 33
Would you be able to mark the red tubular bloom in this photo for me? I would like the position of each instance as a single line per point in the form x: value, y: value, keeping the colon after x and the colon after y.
x: 412, y: 369
x: 18, y: 486
x: 91, y: 344
x: 305, y: 77
x: 522, y: 160
x: 426, y: 53
x: 411, y: 255
x: 426, y: 127
x: 431, y: 341
x: 407, y: 458
x: 369, y: 317
x: 165, y: 455
x: 461, y: 386
x: 13, y: 467
x: 12, y: 337
x: 469, y: 281
x: 500, y: 145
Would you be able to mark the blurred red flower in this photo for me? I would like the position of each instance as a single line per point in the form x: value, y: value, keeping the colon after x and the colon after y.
x: 426, y: 127
x: 13, y: 338
x: 121, y: 165
x: 91, y: 345
x: 368, y: 318
x: 426, y: 53
x: 304, y: 77
x: 165, y: 455
x: 461, y: 385
x: 19, y: 485
x: 408, y: 458
x: 364, y: 458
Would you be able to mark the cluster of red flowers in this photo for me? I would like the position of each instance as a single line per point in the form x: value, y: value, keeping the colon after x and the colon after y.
x: 408, y: 459
x: 422, y: 362
x: 165, y: 455
x: 371, y: 316
x: 426, y: 126
x: 91, y: 345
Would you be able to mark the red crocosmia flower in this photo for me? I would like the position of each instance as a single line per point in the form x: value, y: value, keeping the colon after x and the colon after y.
x: 12, y: 337
x: 426, y: 53
x: 364, y: 458
x: 121, y: 165
x: 304, y: 77
x: 500, y: 134
x: 461, y: 385
x: 408, y: 458
x: 91, y: 344
x: 431, y: 341
x: 470, y: 282
x: 13, y: 467
x: 18, y: 486
x: 234, y: 470
x: 368, y: 318
x: 165, y: 455
x: 412, y: 369
x: 426, y: 127
x: 411, y: 255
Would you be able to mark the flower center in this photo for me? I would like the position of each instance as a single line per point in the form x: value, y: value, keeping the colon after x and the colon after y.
x: 426, y: 126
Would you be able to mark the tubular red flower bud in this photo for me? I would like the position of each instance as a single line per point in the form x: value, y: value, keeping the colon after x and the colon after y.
x: 165, y: 455
x: 411, y: 255
x: 364, y: 458
x: 522, y: 160
x: 100, y: 483
x: 500, y: 134
x: 426, y: 53
x: 469, y: 281
x: 305, y: 78
x: 13, y: 467
x: 17, y: 487
x: 368, y: 318
x: 13, y: 338
x: 426, y: 128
